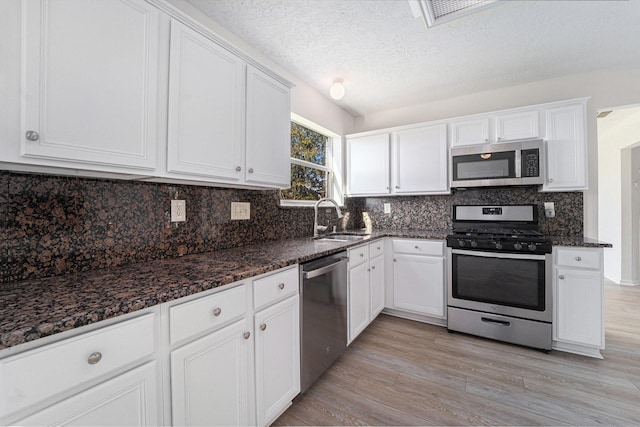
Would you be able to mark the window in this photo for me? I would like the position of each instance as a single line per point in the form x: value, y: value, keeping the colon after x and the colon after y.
x: 316, y: 157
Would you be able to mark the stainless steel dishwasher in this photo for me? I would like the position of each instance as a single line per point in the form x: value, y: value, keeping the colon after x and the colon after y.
x: 323, y: 315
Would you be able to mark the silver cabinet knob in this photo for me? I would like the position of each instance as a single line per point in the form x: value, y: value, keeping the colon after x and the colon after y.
x: 281, y: 285
x: 395, y: 260
x: 397, y: 187
x: 373, y: 267
x: 550, y: 180
x: 378, y: 248
x: 368, y: 269
x: 217, y: 311
x: 246, y: 335
x: 32, y: 135
x: 263, y: 326
x: 578, y: 258
x: 499, y: 138
x: 94, y: 358
x: 361, y: 255
x: 238, y: 168
x: 486, y: 140
x: 250, y: 170
x: 387, y: 188
x: 561, y: 277
x: 417, y: 247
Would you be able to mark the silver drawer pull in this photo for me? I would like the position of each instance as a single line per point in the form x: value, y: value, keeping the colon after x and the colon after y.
x: 263, y: 326
x: 561, y: 277
x: 94, y: 358
x: 417, y: 247
x: 362, y: 255
x: 32, y: 135
x: 578, y: 258
x: 217, y: 311
x: 246, y: 335
x: 281, y: 285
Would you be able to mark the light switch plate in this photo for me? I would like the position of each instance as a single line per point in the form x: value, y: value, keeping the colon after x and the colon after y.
x: 178, y: 211
x: 240, y: 210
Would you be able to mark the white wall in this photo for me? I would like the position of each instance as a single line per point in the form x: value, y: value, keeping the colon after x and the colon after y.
x: 616, y: 134
x: 305, y: 100
x: 606, y: 89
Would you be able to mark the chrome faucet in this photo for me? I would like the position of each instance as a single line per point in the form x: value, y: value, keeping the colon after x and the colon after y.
x: 316, y: 227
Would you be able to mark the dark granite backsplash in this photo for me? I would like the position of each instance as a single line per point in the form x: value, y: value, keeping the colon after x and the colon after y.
x: 54, y: 225
x: 434, y: 212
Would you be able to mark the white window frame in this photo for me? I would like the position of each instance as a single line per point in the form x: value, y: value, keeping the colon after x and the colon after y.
x: 334, y: 167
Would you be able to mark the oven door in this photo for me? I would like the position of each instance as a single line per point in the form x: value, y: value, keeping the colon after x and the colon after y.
x: 510, y: 284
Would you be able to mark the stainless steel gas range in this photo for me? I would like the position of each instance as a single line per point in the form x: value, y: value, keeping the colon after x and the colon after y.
x: 500, y: 275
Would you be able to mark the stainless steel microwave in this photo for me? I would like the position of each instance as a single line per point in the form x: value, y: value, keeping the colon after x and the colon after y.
x: 510, y: 163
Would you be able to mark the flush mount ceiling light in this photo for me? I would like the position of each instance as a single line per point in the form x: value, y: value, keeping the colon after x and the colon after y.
x: 337, y: 89
x: 434, y: 12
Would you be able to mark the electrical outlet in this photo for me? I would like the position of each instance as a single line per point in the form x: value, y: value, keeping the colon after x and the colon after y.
x: 178, y: 211
x: 240, y: 210
x: 387, y: 208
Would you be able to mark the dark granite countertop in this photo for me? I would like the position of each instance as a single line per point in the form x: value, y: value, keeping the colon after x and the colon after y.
x: 33, y: 309
x: 581, y: 241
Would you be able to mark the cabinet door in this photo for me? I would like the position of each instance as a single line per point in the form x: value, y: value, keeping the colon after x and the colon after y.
x: 420, y: 159
x: 566, y: 149
x: 277, y: 341
x: 470, y: 132
x: 517, y: 126
x: 206, y: 93
x: 359, y: 304
x: 578, y: 306
x: 368, y: 165
x: 127, y: 400
x: 90, y: 82
x: 209, y: 379
x: 376, y: 286
x: 418, y: 284
x: 268, y: 145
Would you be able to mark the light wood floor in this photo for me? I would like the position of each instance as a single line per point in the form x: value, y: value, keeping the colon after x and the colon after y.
x: 400, y: 372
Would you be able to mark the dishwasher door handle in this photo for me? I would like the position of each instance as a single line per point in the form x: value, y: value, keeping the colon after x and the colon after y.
x: 323, y: 270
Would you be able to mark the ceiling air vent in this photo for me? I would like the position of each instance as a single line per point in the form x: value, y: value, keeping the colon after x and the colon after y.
x: 434, y: 12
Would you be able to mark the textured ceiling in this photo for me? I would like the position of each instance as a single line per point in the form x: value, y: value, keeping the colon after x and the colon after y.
x: 389, y: 60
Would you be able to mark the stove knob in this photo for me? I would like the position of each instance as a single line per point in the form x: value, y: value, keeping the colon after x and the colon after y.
x: 461, y: 243
x: 474, y: 244
x: 498, y: 245
x: 532, y: 247
x: 517, y: 246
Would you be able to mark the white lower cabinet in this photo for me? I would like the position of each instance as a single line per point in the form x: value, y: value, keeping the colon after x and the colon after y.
x: 419, y: 277
x: 209, y: 379
x: 366, y: 286
x: 127, y: 400
x: 107, y: 376
x: 277, y: 358
x: 578, y: 324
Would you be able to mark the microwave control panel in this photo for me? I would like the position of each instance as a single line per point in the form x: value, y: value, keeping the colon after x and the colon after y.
x: 530, y: 163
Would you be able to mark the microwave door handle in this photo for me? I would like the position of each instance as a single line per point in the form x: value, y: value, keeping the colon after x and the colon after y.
x: 518, y: 161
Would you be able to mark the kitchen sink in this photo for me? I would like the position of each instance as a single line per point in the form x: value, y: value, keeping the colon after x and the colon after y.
x: 342, y: 237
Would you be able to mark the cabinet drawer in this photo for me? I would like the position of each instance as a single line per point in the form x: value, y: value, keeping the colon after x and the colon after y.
x: 584, y: 258
x: 376, y: 249
x: 275, y: 287
x: 358, y: 255
x: 41, y: 373
x: 418, y: 247
x: 210, y: 312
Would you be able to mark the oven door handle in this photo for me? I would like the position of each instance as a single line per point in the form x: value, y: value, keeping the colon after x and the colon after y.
x: 498, y: 254
x: 496, y: 321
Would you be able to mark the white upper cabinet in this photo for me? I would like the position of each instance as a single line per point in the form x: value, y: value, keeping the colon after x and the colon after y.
x: 519, y: 125
x: 566, y: 138
x: 419, y: 160
x: 470, y: 132
x: 268, y: 130
x: 206, y: 92
x: 90, y: 83
x: 368, y: 165
x: 496, y: 127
